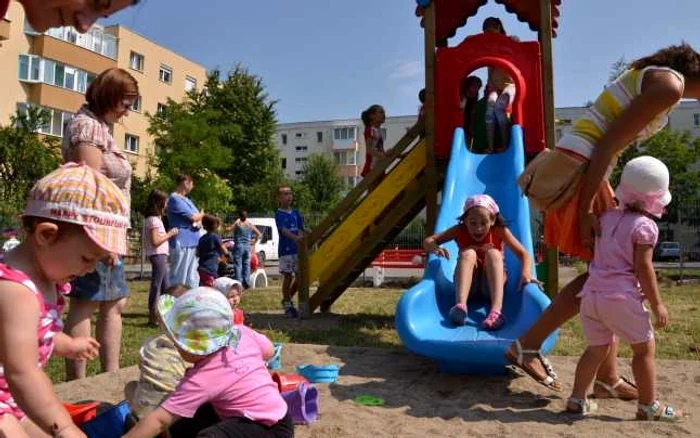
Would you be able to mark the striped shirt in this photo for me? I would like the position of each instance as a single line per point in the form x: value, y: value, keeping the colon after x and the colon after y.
x: 612, y: 102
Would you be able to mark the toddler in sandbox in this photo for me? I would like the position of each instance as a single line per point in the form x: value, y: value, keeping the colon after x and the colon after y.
x: 480, y: 235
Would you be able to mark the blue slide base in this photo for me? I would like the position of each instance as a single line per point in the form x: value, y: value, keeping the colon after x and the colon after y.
x: 422, y: 318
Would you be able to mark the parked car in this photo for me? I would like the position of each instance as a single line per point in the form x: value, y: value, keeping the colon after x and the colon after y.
x: 668, y: 251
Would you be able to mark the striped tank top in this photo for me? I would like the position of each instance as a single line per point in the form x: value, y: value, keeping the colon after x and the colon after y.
x: 609, y: 105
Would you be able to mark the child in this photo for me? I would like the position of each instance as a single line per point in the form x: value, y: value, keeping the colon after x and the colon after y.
x: 421, y: 109
x: 291, y: 228
x: 74, y: 218
x: 161, y: 367
x: 611, y: 300
x: 233, y: 291
x: 480, y: 235
x: 500, y: 92
x: 469, y: 96
x: 209, y: 249
x: 157, y: 248
x: 372, y: 118
x: 228, y: 372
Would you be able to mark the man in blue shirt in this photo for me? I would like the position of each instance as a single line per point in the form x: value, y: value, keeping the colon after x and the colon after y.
x: 291, y: 228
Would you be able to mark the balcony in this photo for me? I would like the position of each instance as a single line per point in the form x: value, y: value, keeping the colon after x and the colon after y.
x: 67, y: 53
x: 54, y: 97
x: 4, y: 29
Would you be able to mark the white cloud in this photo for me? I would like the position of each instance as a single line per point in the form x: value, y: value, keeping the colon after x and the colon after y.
x: 406, y: 70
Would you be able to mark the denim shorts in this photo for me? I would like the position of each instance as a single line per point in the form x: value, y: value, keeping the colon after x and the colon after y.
x: 104, y: 284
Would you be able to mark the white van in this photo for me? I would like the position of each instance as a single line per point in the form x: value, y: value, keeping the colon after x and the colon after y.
x: 269, y: 241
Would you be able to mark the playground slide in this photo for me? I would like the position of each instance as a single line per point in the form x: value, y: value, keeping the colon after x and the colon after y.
x: 422, y: 313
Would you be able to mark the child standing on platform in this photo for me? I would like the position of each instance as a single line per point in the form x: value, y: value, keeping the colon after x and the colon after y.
x: 372, y: 118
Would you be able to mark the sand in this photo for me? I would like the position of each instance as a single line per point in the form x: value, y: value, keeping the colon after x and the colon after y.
x: 421, y: 402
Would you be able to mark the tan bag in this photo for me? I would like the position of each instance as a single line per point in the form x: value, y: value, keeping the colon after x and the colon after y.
x: 551, y: 178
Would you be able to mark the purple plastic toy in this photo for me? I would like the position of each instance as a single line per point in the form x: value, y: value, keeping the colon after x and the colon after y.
x: 303, y: 403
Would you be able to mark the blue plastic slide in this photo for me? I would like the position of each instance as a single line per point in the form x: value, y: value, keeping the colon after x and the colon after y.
x: 422, y: 313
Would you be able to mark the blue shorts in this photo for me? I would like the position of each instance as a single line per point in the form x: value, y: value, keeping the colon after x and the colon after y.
x: 104, y: 284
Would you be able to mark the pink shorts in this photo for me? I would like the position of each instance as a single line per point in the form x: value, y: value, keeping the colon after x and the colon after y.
x: 605, y: 315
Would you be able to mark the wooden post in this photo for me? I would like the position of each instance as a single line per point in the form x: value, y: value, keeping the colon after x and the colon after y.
x: 304, y: 283
x: 429, y: 111
x: 545, y: 37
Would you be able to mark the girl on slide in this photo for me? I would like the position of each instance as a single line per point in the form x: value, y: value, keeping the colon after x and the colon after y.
x: 570, y: 184
x: 480, y: 235
x: 611, y: 300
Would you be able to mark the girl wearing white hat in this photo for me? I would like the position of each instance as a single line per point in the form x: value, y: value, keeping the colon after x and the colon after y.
x: 611, y: 300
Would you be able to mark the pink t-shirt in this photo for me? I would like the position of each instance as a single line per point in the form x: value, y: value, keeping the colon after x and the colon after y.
x: 235, y: 381
x: 157, y: 223
x: 612, y: 268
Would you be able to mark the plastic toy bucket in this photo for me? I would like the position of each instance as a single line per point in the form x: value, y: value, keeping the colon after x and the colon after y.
x: 276, y: 362
x: 81, y: 413
x: 108, y: 424
x: 302, y: 403
x: 288, y: 381
x: 319, y: 373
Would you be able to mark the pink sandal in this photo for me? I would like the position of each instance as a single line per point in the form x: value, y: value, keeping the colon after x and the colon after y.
x: 494, y: 321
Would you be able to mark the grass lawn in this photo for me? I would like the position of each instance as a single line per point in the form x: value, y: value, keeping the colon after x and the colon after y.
x: 365, y: 317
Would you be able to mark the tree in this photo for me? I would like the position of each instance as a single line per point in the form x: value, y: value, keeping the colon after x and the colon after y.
x: 25, y: 157
x: 617, y: 68
x: 223, y: 136
x: 679, y: 151
x: 322, y: 178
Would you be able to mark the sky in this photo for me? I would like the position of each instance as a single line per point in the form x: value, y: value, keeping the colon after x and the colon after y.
x: 331, y: 59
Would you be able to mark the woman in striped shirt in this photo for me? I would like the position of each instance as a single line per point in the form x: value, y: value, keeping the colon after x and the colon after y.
x: 632, y: 108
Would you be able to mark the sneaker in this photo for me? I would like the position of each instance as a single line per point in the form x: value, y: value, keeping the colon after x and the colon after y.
x: 458, y: 314
x: 494, y: 321
x: 291, y: 312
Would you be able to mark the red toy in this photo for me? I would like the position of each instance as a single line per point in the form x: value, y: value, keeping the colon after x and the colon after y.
x: 288, y: 381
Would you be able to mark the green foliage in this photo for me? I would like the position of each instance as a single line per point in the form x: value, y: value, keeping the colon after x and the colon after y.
x: 25, y: 157
x: 322, y: 179
x: 617, y: 69
x: 679, y: 151
x: 222, y: 135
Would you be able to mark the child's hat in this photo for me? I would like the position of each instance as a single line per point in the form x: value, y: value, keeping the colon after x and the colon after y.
x: 200, y: 321
x: 645, y: 179
x: 225, y: 284
x: 77, y: 194
x: 484, y: 201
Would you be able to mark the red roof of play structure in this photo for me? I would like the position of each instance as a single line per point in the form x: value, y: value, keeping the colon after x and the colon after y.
x: 450, y: 15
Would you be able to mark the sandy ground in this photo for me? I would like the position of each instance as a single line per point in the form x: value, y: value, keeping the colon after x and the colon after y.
x: 420, y: 402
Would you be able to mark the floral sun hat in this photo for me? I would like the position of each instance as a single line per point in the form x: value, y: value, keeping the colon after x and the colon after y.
x: 200, y: 321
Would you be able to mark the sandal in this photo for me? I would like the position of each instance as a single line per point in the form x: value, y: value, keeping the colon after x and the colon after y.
x: 654, y: 412
x: 494, y: 321
x: 516, y: 360
x: 580, y: 406
x: 612, y: 391
x: 458, y: 314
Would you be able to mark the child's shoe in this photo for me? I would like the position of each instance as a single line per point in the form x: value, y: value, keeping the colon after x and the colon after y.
x: 658, y: 412
x: 494, y: 321
x: 458, y: 314
x: 289, y: 310
x: 581, y: 406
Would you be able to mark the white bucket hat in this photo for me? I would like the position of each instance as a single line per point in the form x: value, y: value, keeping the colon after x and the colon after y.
x: 645, y: 179
x: 225, y: 284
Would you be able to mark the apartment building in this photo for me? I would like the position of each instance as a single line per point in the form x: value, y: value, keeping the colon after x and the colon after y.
x: 343, y: 139
x: 54, y: 69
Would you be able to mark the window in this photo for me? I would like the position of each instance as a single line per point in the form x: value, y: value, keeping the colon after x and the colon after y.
x: 54, y: 124
x: 319, y: 137
x: 283, y: 163
x: 90, y: 77
x: 300, y: 135
x: 347, y: 133
x: 82, y: 81
x: 29, y: 68
x: 166, y: 74
x: 136, y: 61
x: 137, y: 105
x: 49, y: 70
x: 70, y: 78
x: 190, y: 83
x: 696, y: 120
x: 301, y: 148
x: 60, y: 74
x: 23, y: 72
x: 345, y: 158
x: 284, y: 138
x: 160, y: 110
x: 300, y: 160
x: 266, y: 233
x: 351, y: 181
x: 57, y: 122
x: 299, y: 172
x: 131, y: 143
